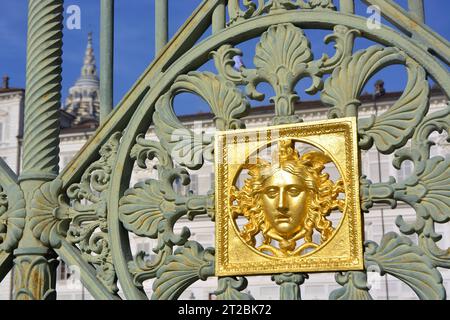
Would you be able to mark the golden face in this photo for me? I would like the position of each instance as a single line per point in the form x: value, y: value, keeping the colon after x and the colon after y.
x: 285, y: 202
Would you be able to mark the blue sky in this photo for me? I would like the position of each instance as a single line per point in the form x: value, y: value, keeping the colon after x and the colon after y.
x: 134, y: 42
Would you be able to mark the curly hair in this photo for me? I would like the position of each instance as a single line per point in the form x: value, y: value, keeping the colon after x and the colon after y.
x: 323, y: 198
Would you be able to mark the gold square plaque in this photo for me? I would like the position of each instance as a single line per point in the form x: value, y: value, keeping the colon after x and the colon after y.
x: 287, y: 199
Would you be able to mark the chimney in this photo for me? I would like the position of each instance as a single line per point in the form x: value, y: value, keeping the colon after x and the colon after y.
x: 5, y: 82
x: 379, y: 88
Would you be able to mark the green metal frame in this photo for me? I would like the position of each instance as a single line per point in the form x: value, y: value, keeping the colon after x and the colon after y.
x: 85, y: 213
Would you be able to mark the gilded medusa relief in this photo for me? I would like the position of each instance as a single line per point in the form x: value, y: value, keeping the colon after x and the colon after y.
x: 286, y: 200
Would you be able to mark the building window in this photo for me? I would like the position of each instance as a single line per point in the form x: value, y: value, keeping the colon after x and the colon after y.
x: 378, y: 170
x: 405, y: 171
x: 375, y: 166
x: 64, y: 272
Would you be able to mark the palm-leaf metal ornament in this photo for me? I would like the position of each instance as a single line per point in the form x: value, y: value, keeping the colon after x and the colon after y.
x: 87, y: 212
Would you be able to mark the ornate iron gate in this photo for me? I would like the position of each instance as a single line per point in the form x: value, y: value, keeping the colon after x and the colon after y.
x: 84, y: 213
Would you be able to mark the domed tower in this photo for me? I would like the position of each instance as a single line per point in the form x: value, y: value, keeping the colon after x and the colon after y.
x: 83, y: 101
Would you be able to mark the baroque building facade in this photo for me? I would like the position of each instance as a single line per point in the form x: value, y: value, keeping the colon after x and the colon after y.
x: 79, y: 119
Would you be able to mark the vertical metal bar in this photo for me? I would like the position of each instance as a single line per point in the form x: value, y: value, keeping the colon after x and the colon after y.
x: 347, y: 6
x: 416, y: 7
x: 161, y: 25
x: 43, y: 90
x: 106, y: 58
x: 11, y: 285
x: 34, y: 263
x: 219, y: 17
x: 380, y: 179
x: 290, y: 285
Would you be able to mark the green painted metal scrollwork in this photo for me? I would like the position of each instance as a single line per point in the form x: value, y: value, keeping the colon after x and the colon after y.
x: 187, y: 265
x: 50, y: 217
x: 78, y: 215
x: 226, y: 102
x: 400, y: 257
x: 290, y: 285
x: 151, y: 209
x: 89, y: 212
x: 12, y: 217
x: 282, y: 58
x: 230, y: 288
x: 354, y: 286
x: 89, y: 228
x: 272, y: 6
